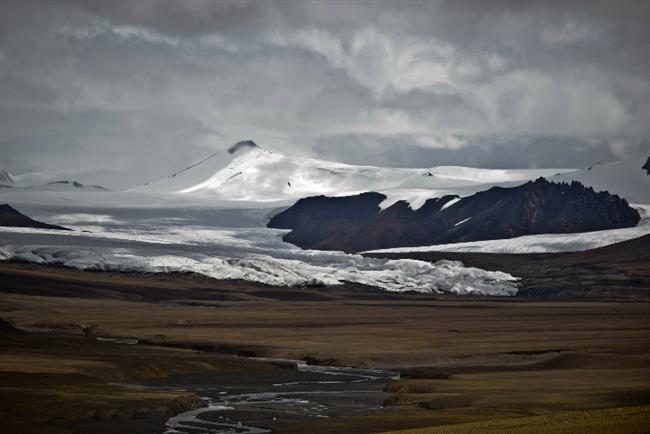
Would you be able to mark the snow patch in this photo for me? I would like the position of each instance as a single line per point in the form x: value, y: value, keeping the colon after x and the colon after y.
x: 544, y: 243
x: 414, y: 197
x: 450, y: 203
x: 624, y: 178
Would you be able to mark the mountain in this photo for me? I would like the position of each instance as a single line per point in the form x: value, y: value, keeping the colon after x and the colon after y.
x: 628, y: 178
x: 38, y: 181
x: 11, y: 217
x: 246, y: 171
x: 66, y: 186
x: 28, y: 179
x: 357, y: 223
x: 6, y: 179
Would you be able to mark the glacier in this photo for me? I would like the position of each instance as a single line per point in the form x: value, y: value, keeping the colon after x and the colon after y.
x: 182, y: 241
x: 210, y: 218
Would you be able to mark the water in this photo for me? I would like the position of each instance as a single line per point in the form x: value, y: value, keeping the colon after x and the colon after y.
x: 253, y: 402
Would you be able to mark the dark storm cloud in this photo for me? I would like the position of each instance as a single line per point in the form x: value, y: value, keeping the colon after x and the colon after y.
x: 488, y: 152
x: 140, y: 88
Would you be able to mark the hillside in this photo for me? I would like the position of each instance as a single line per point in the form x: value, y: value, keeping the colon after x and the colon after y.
x: 13, y: 218
x: 628, y: 179
x: 248, y: 172
x: 357, y: 223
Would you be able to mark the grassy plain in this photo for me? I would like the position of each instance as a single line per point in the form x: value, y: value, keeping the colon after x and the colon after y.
x: 468, y: 365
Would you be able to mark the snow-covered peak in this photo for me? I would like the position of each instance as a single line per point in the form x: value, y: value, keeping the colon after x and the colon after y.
x: 625, y: 178
x: 248, y: 172
x: 31, y: 178
x: 460, y: 175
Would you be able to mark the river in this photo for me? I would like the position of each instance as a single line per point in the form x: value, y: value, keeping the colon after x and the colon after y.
x: 253, y: 402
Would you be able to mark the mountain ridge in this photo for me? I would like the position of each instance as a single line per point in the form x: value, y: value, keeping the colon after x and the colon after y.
x: 11, y: 217
x: 356, y: 223
x: 247, y: 171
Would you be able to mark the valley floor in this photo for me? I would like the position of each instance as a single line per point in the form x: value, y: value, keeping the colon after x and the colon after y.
x: 467, y: 365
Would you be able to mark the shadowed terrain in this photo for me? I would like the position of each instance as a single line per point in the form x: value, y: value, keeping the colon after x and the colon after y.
x: 468, y: 363
x: 11, y: 217
x: 615, y: 271
x: 356, y: 223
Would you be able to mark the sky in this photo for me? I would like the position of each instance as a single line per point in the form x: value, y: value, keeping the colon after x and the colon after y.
x: 124, y: 92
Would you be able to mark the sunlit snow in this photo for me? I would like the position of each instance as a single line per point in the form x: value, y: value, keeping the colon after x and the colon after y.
x: 203, y: 242
x: 210, y: 219
x: 256, y: 174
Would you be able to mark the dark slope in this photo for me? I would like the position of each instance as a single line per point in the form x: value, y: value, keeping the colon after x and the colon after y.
x: 8, y: 329
x: 74, y: 184
x: 356, y: 223
x: 618, y: 270
x: 10, y: 217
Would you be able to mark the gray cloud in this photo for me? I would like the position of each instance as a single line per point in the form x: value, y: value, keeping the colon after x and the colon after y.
x: 141, y: 88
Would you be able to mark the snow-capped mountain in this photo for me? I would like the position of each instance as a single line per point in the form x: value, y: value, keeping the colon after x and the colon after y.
x: 34, y: 178
x: 356, y: 223
x: 249, y: 172
x: 247, y: 175
x: 246, y: 171
x: 626, y: 178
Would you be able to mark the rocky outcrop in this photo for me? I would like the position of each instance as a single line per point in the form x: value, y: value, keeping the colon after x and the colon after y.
x: 11, y: 217
x: 76, y: 184
x: 242, y: 145
x: 356, y: 223
x: 646, y: 166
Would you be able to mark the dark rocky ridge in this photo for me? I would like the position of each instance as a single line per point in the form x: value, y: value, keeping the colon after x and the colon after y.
x: 11, y: 217
x: 76, y: 184
x: 242, y: 145
x: 356, y: 223
x: 646, y: 166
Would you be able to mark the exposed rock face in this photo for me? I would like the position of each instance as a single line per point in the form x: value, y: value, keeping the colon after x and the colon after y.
x: 76, y: 184
x: 646, y: 166
x: 241, y: 145
x: 356, y: 223
x: 10, y: 217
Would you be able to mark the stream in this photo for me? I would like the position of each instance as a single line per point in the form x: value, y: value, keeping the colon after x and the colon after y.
x: 253, y: 402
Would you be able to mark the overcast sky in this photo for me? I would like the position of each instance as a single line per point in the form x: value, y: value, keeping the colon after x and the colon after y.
x: 127, y: 91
